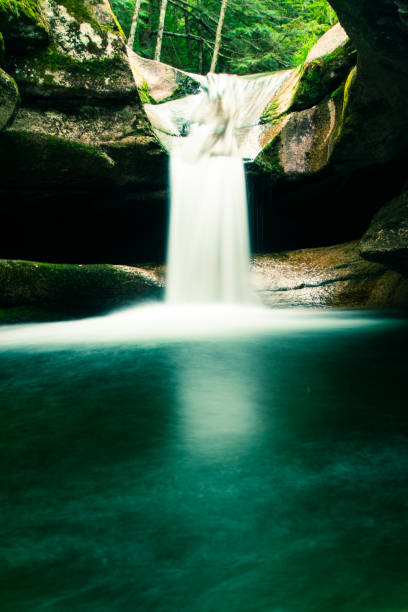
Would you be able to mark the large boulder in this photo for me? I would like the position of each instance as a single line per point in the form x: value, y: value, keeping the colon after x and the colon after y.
x: 335, y: 276
x: 9, y: 98
x: 23, y: 26
x: 379, y: 30
x: 386, y: 240
x: 31, y: 291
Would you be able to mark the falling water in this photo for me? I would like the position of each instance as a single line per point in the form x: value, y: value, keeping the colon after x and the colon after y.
x: 208, y: 250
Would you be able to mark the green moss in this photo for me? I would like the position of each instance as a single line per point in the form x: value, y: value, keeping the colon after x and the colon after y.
x: 186, y: 86
x: 347, y: 87
x: 2, y: 49
x: 270, y: 115
x: 31, y: 291
x: 321, y: 76
x: 269, y: 159
x: 80, y: 11
x: 97, y: 67
x: 46, y: 64
x: 35, y: 158
x: 20, y: 8
x: 22, y: 24
x: 27, y: 314
x: 144, y: 94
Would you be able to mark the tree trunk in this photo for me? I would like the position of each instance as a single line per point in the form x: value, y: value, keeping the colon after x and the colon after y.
x: 131, y: 39
x: 218, y: 35
x: 187, y: 25
x: 159, y: 40
x: 200, y: 44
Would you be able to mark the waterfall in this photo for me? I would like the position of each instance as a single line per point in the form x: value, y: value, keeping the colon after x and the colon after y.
x: 209, y: 135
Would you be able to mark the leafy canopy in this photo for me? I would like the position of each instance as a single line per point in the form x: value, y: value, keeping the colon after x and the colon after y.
x: 258, y: 35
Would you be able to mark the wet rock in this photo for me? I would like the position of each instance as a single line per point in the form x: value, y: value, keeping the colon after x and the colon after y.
x: 32, y: 291
x: 334, y: 276
x: 386, y: 240
x: 158, y: 82
x: 9, y: 98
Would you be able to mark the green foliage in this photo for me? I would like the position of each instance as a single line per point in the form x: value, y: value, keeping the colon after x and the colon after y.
x: 258, y: 35
x: 28, y: 8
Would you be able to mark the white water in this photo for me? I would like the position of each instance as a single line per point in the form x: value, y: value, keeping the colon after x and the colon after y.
x: 154, y: 324
x: 208, y: 251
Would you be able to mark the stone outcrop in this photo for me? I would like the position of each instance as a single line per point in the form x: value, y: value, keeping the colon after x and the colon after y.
x: 37, y: 291
x: 334, y: 276
x: 79, y: 145
x: 386, y: 240
x: 9, y: 98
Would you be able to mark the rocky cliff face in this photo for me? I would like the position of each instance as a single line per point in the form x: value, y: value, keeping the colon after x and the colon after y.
x: 78, y: 151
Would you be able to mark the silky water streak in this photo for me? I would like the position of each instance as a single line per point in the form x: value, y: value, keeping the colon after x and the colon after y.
x: 208, y: 248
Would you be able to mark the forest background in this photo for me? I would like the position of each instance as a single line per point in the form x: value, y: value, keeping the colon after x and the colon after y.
x: 257, y: 35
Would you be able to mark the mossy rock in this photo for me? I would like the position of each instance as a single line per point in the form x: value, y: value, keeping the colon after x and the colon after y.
x: 23, y: 26
x: 43, y: 291
x: 269, y: 159
x: 98, y: 14
x: 386, y: 240
x: 35, y: 159
x: 50, y: 75
x: 84, y: 55
x: 158, y: 83
x: 9, y: 98
x: 2, y: 48
x: 322, y: 76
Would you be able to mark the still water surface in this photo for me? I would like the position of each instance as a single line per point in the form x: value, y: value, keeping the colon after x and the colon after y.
x: 261, y: 473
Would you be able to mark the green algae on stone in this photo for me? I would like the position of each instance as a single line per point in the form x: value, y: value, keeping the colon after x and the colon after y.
x: 50, y: 158
x: 31, y: 290
x: 322, y: 76
x: 22, y: 25
x: 82, y: 12
x: 9, y: 99
x: 269, y: 159
x: 60, y: 76
x: 2, y: 48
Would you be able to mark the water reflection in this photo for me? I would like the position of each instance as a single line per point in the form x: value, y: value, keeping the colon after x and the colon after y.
x: 217, y: 408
